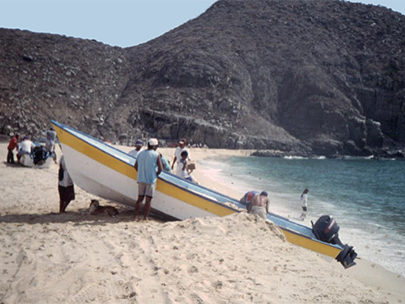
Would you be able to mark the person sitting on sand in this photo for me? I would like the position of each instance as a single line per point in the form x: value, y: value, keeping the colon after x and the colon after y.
x: 65, y: 186
x: 26, y: 147
x: 13, y: 144
x: 260, y: 204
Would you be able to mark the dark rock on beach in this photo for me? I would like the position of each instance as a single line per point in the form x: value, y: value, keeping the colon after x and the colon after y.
x: 301, y: 77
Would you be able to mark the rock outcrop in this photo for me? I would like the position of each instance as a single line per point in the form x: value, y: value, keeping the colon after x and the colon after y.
x: 302, y: 77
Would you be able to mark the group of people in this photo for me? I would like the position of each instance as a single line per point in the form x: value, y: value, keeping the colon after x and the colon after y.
x: 150, y: 163
x: 26, y: 146
x: 181, y: 159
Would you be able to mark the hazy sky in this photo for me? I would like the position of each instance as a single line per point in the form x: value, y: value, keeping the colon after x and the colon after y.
x: 115, y: 22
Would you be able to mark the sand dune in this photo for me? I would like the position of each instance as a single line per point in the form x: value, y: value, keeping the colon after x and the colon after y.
x: 47, y: 257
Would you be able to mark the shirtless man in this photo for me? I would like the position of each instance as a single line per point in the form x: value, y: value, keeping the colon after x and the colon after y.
x: 260, y: 205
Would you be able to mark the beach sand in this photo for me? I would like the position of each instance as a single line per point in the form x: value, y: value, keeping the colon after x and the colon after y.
x: 47, y: 257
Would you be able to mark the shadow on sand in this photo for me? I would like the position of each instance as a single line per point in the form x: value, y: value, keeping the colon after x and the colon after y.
x: 81, y: 217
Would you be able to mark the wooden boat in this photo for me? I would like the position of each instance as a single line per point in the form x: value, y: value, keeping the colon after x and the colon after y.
x: 103, y: 170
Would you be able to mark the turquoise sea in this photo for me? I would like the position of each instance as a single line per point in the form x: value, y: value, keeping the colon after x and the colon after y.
x: 365, y: 196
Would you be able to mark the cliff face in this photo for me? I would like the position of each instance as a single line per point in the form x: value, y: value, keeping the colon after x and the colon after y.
x: 305, y: 77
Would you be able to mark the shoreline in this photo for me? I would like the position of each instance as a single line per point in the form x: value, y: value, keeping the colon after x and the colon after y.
x: 366, y: 272
x: 110, y: 259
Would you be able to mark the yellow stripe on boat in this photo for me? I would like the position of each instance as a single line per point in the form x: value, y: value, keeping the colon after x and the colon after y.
x: 310, y: 244
x: 110, y: 161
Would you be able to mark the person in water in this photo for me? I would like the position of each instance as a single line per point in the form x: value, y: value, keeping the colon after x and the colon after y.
x: 304, y: 204
x: 260, y: 204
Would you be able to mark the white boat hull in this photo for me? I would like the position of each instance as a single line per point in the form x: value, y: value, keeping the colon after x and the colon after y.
x: 107, y: 183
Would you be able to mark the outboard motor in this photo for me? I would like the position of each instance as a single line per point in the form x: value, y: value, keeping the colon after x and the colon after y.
x: 326, y: 229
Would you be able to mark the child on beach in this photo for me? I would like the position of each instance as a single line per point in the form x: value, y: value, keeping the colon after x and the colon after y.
x: 185, y: 171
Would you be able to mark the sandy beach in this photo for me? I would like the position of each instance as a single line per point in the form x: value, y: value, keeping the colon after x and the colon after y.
x: 47, y: 257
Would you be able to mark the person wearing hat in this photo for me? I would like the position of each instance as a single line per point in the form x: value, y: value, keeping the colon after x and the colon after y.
x: 137, y: 150
x: 13, y: 144
x: 260, y: 204
x: 148, y: 166
x: 177, y: 155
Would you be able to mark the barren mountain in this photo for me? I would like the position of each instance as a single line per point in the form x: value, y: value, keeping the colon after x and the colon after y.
x: 304, y: 77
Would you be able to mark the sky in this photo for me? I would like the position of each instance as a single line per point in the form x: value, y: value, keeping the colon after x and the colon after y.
x: 122, y: 23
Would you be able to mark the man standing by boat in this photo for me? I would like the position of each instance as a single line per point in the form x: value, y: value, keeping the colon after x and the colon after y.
x: 260, y: 205
x: 148, y: 165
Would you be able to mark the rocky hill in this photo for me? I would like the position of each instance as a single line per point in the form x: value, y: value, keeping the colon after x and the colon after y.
x: 303, y: 77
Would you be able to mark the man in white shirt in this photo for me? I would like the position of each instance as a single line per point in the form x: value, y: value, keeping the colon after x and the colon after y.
x: 137, y: 150
x: 25, y: 147
x: 177, y: 155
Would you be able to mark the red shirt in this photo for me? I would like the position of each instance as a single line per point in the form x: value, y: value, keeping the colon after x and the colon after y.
x: 13, y: 144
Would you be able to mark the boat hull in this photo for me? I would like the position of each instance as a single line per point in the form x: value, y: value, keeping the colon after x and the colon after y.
x: 109, y: 173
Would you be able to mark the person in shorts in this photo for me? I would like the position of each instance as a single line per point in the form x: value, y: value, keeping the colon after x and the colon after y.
x: 148, y: 165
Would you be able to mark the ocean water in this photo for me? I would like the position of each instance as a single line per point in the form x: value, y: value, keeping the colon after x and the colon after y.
x: 366, y: 197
